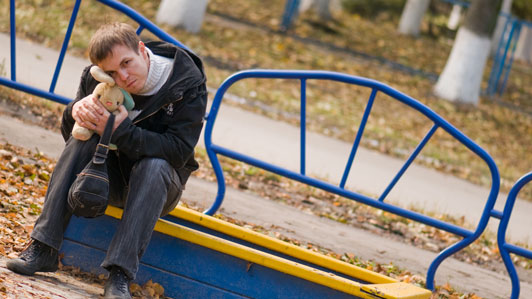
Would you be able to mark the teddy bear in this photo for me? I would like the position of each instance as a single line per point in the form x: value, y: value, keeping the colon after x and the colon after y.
x: 109, y: 94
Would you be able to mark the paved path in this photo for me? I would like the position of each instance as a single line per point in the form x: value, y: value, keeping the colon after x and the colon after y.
x: 45, y: 285
x: 274, y: 141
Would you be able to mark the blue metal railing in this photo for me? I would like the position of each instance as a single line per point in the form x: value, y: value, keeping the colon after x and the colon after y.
x: 504, y: 56
x: 50, y: 94
x: 468, y: 236
x: 289, y: 14
x: 505, y: 248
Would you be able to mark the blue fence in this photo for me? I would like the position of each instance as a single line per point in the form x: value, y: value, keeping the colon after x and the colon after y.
x: 504, y: 56
x: 376, y: 87
x: 468, y: 236
x: 50, y: 93
x: 506, y: 248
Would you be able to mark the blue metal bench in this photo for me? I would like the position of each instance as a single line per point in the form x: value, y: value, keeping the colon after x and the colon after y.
x: 506, y: 248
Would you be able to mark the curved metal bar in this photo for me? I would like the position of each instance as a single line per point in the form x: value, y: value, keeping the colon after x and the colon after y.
x: 144, y: 22
x: 439, y: 122
x: 35, y: 91
x: 210, y: 119
x: 431, y: 272
x: 64, y: 47
x: 50, y: 94
x: 457, y: 230
x: 504, y: 248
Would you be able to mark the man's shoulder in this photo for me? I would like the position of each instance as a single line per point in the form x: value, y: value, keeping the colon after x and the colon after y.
x: 162, y: 48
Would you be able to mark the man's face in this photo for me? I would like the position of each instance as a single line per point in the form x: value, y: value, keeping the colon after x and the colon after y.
x: 128, y: 69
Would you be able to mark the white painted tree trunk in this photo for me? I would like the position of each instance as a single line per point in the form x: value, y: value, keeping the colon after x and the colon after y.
x: 322, y: 7
x: 412, y: 15
x: 462, y: 75
x: 187, y: 14
x: 501, y: 21
x: 455, y: 17
x: 523, y: 49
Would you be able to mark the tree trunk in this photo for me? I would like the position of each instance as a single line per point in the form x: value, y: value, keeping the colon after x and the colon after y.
x: 322, y: 7
x: 412, y: 15
x: 455, y: 17
x: 187, y: 14
x: 462, y: 75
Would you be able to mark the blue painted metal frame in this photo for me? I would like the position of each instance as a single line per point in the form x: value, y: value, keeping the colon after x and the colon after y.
x: 504, y: 56
x: 505, y: 248
x: 468, y: 236
x: 506, y: 48
x: 289, y: 14
x: 143, y: 22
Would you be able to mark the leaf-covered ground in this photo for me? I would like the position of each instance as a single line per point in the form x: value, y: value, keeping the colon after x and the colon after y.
x: 24, y: 176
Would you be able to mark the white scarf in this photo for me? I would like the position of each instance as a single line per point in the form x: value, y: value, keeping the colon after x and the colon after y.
x: 158, y: 73
x: 160, y: 69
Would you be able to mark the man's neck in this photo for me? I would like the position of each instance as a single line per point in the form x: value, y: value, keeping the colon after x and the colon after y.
x: 158, y: 72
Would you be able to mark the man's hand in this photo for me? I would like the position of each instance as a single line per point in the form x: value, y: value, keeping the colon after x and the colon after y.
x: 87, y: 112
x: 119, y: 118
x: 91, y: 114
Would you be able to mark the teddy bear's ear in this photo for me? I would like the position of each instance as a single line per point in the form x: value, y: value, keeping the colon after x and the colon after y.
x: 101, y: 76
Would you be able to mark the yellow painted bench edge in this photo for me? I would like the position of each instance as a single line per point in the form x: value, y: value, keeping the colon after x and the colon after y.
x: 388, y: 290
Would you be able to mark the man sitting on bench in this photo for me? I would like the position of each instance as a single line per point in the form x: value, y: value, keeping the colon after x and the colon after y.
x: 155, y: 153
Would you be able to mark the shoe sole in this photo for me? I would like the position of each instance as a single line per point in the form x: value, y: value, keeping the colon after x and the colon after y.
x: 19, y: 267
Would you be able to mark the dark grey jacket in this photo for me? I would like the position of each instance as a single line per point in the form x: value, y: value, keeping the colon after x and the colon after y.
x: 170, y: 126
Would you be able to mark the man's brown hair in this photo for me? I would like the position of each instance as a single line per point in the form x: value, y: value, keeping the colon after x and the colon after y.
x: 110, y: 35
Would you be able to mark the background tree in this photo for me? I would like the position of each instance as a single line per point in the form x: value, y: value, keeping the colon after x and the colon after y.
x: 322, y: 8
x: 412, y: 15
x: 187, y: 14
x: 462, y: 75
x: 455, y: 17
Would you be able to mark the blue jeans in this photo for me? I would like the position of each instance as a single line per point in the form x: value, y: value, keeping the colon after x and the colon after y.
x: 151, y: 189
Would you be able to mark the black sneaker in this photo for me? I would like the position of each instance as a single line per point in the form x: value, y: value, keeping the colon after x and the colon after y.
x: 37, y: 257
x: 117, y: 285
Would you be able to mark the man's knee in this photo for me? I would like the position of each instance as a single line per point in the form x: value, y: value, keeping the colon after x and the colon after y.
x: 156, y: 170
x: 151, y: 163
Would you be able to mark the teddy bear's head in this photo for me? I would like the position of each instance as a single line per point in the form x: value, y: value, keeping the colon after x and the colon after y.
x: 107, y: 93
x: 110, y: 96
